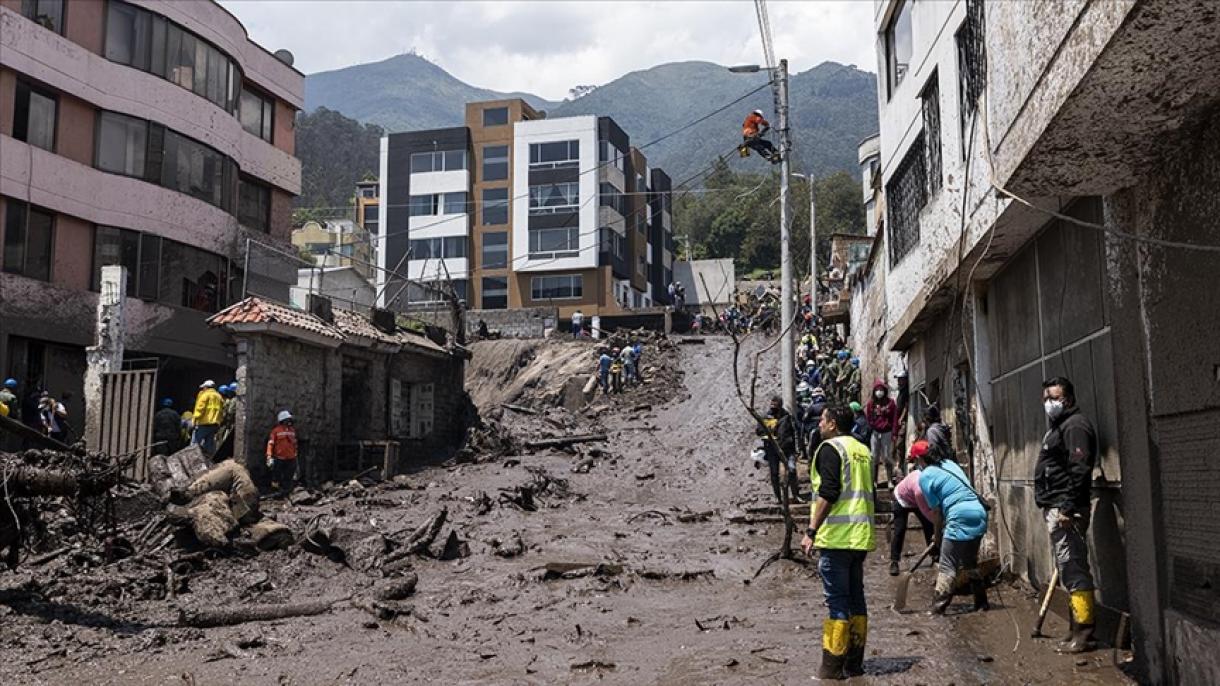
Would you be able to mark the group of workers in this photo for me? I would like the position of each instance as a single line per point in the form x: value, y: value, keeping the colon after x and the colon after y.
x: 953, y: 516
x: 40, y: 411
x: 618, y: 367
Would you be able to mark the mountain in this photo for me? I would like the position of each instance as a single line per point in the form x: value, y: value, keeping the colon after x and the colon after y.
x: 403, y: 93
x: 833, y: 107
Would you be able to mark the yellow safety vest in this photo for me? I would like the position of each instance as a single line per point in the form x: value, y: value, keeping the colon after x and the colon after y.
x: 849, y: 524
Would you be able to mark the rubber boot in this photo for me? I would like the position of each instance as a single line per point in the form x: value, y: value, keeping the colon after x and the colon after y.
x: 1082, y: 616
x: 834, y: 649
x: 856, y: 640
x: 943, y: 596
x: 1071, y: 631
x: 979, y: 588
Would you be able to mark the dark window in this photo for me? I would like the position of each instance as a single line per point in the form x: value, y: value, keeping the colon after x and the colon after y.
x: 906, y: 194
x: 495, y: 116
x: 931, y: 131
x: 198, y: 170
x: 46, y: 13
x: 555, y: 155
x: 559, y: 242
x: 898, y: 47
x: 455, y: 247
x: 34, y: 116
x: 368, y: 192
x: 455, y: 203
x: 148, y: 276
x: 451, y: 247
x: 443, y: 160
x: 971, y: 65
x: 28, y: 240
x: 254, y: 205
x: 113, y: 246
x: 421, y: 205
x: 495, y: 162
x: 610, y: 155
x: 556, y: 287
x: 495, y: 206
x: 193, y: 278
x: 121, y: 144
x: 609, y: 196
x: 554, y: 197
x: 495, y: 250
x: 495, y: 292
x: 372, y: 214
x: 257, y: 114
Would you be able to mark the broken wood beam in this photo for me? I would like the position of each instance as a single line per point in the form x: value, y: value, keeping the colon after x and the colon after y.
x: 17, y: 428
x: 230, y: 616
x: 564, y: 441
x: 519, y: 408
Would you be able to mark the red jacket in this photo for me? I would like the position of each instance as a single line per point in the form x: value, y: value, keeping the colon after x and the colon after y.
x: 282, y: 443
x: 883, y: 415
x: 753, y: 124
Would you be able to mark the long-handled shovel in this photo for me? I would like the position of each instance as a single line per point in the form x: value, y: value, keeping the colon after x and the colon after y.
x: 1046, y: 602
x: 904, y: 581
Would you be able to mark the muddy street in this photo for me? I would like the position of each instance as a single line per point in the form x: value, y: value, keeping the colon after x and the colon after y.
x: 627, y: 569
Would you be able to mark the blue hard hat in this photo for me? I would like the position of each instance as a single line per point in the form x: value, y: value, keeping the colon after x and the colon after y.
x: 10, y: 383
x: 167, y: 402
x: 842, y: 354
x: 233, y: 387
x: 855, y: 361
x: 224, y: 388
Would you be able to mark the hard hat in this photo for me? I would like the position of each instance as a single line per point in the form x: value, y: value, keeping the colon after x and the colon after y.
x: 10, y: 383
x: 233, y: 386
x: 802, y: 386
x: 842, y: 354
x: 283, y: 416
x: 810, y: 363
x: 208, y: 384
x: 855, y: 361
x: 758, y: 112
x: 222, y: 389
x: 167, y: 402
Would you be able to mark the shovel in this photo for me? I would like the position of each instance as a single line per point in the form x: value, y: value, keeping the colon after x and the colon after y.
x: 904, y: 581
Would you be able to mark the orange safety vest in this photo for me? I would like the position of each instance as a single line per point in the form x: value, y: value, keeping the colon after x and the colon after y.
x: 752, y: 124
x: 282, y: 444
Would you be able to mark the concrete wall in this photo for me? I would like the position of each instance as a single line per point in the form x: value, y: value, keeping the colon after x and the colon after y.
x: 521, y: 323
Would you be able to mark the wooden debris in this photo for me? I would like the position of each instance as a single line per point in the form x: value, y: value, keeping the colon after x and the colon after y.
x: 688, y: 517
x: 519, y: 408
x: 564, y: 441
x: 230, y: 616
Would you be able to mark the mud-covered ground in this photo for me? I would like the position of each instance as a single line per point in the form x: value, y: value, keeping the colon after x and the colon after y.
x: 672, y: 602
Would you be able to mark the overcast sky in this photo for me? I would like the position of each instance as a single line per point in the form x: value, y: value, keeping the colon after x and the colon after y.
x: 546, y: 47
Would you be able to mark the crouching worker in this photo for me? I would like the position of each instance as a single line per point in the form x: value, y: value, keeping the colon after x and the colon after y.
x: 282, y: 453
x: 959, y: 516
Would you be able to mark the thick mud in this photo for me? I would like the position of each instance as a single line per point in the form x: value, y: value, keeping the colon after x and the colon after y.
x: 672, y: 602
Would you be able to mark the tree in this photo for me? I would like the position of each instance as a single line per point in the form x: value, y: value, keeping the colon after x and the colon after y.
x: 335, y: 153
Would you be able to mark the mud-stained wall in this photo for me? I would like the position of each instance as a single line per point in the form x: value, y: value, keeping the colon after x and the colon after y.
x: 529, y: 322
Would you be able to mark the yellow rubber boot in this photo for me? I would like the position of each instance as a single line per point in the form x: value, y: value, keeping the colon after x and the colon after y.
x: 834, y: 648
x: 1082, y: 623
x: 856, y: 640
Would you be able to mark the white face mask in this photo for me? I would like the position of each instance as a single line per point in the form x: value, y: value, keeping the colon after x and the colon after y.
x: 1054, y: 408
x: 878, y: 394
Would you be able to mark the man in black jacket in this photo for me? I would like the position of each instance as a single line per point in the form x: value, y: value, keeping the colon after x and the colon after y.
x: 1063, y: 477
x: 780, y: 424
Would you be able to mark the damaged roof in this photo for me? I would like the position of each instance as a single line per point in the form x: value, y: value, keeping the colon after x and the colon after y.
x: 349, y: 326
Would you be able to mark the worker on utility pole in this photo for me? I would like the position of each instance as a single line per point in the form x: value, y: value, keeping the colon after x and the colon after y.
x: 752, y: 131
x: 1063, y: 479
x: 841, y: 528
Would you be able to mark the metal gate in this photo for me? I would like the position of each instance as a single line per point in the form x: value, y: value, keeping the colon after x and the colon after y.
x: 128, y: 403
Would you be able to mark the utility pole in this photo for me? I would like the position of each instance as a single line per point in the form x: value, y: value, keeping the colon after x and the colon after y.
x: 787, y: 292
x: 813, y: 247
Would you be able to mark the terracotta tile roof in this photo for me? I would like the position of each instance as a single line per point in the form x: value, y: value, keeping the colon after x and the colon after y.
x: 254, y: 310
x: 352, y: 323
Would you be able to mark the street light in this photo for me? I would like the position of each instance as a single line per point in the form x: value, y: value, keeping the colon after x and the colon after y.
x: 779, y: 75
x: 813, y: 241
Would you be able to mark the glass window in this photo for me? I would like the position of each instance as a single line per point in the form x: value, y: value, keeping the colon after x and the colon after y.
x: 254, y: 205
x: 116, y: 246
x: 28, y: 233
x: 495, y: 292
x: 610, y: 155
x: 421, y: 162
x: 495, y: 206
x: 371, y: 213
x: 455, y: 203
x: 426, y: 248
x: 455, y: 159
x: 255, y: 112
x: 148, y: 277
x: 556, y: 287
x: 121, y: 144
x: 495, y: 250
x: 495, y: 116
x: 455, y: 247
x: 180, y: 56
x: 554, y: 197
x: 445, y: 160
x: 553, y: 242
x: 121, y: 32
x: 898, y: 46
x: 157, y: 61
x: 192, y: 278
x: 47, y: 13
x: 34, y: 116
x: 421, y: 205
x: 368, y: 192
x: 495, y: 162
x: 555, y: 155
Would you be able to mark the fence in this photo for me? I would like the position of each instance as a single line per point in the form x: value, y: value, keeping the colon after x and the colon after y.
x: 128, y: 403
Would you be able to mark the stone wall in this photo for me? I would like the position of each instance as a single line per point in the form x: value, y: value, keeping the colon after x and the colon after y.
x: 526, y: 322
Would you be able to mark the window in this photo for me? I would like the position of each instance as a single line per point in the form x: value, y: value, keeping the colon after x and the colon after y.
x: 971, y: 66
x: 495, y: 206
x: 455, y: 203
x: 906, y: 194
x: 446, y: 160
x: 455, y: 247
x: 610, y: 155
x: 46, y: 13
x: 197, y: 170
x: 495, y: 116
x: 318, y: 248
x: 610, y: 196
x: 495, y: 250
x: 566, y: 287
x: 555, y: 155
x: 372, y: 214
x: 931, y: 131
x: 550, y: 243
x: 192, y: 278
x: 28, y: 239
x: 495, y: 292
x: 34, y: 116
x: 257, y: 114
x: 254, y: 205
x: 898, y: 47
x: 554, y: 197
x: 421, y: 205
x: 495, y: 162
x: 368, y: 192
x: 152, y: 43
x: 139, y: 253
x: 121, y: 144
x: 452, y: 247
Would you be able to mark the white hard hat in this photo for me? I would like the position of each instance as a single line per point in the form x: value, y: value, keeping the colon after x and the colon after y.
x: 283, y: 416
x: 802, y: 386
x: 208, y: 384
x: 758, y: 112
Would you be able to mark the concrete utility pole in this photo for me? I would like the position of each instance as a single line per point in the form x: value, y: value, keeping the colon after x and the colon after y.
x: 787, y: 292
x: 813, y: 247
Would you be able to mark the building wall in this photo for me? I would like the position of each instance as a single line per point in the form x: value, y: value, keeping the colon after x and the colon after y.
x: 525, y: 322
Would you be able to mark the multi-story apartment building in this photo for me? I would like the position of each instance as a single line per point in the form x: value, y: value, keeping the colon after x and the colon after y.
x: 368, y: 207
x: 336, y: 243
x: 1104, y: 119
x: 517, y: 210
x: 151, y: 134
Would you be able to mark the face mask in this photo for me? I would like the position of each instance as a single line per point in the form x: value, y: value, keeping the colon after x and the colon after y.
x: 878, y: 394
x: 1054, y: 408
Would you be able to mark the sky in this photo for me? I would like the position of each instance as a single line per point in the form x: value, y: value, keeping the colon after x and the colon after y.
x: 547, y: 47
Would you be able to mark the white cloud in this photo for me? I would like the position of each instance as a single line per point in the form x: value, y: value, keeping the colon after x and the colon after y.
x: 548, y: 47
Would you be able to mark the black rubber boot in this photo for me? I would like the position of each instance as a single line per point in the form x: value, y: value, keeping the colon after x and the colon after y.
x: 979, y: 589
x: 1082, y: 640
x: 832, y: 666
x: 856, y: 642
x: 894, y: 568
x: 940, y: 604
